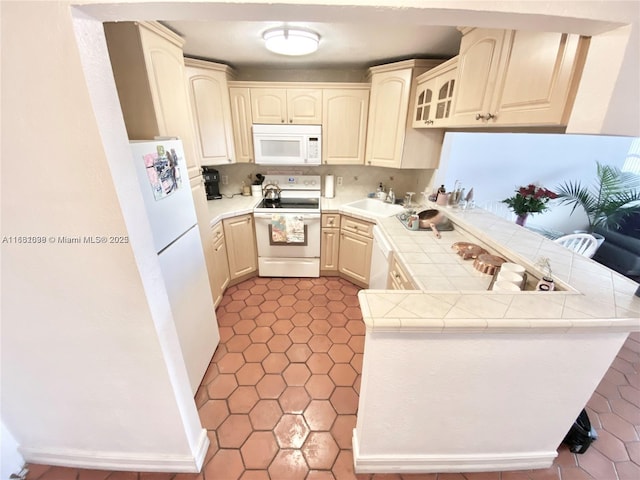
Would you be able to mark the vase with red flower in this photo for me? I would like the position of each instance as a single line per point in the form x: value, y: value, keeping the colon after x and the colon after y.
x: 528, y: 200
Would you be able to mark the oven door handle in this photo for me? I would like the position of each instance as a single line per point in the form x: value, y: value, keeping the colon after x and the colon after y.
x: 305, y: 216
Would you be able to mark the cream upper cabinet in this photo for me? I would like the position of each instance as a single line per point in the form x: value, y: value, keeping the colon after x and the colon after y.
x: 518, y: 78
x: 280, y: 105
x: 148, y: 68
x: 434, y: 95
x: 304, y: 106
x: 240, y: 99
x: 269, y: 105
x: 211, y: 111
x: 344, y: 125
x: 480, y: 58
x: 538, y: 84
x: 391, y: 140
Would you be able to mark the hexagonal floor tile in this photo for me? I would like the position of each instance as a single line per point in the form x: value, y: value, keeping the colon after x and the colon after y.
x: 222, y: 386
x: 320, y: 363
x: 320, y: 387
x: 251, y: 373
x: 319, y: 327
x: 265, y: 415
x: 320, y: 450
x: 342, y: 430
x: 275, y: 362
x: 320, y: 343
x: 339, y: 335
x: 298, y: 353
x: 234, y: 431
x: 244, y: 326
x: 261, y: 334
x: 296, y: 374
x: 294, y: 399
x: 271, y: 386
x: 213, y: 413
x: 231, y: 362
x: 238, y: 343
x: 225, y: 464
x: 341, y: 353
x: 300, y: 335
x: 287, y: 300
x: 243, y: 399
x: 342, y: 374
x: 265, y: 319
x: 320, y: 415
x: 279, y: 343
x: 256, y: 352
x: 289, y: 465
x: 291, y: 431
x: 282, y: 327
x: 259, y: 450
x: 345, y: 400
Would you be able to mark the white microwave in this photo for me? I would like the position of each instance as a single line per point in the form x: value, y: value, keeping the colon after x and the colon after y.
x: 287, y: 144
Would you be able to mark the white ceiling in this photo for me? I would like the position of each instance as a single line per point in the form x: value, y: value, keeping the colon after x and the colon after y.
x: 343, y: 45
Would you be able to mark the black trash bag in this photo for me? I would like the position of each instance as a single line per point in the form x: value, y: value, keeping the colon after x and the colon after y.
x: 581, y: 434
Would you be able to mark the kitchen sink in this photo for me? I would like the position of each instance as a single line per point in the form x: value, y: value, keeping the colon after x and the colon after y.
x: 373, y: 207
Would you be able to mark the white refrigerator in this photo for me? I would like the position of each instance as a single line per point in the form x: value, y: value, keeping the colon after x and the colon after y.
x: 164, y: 182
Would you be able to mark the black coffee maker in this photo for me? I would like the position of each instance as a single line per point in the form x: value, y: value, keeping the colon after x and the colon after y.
x: 211, y: 183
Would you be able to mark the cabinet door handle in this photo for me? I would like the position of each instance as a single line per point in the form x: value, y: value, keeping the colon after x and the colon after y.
x: 480, y: 116
x: 282, y: 120
x: 489, y: 116
x: 290, y: 121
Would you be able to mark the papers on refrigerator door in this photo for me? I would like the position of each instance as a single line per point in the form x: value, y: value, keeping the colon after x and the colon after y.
x: 163, y: 170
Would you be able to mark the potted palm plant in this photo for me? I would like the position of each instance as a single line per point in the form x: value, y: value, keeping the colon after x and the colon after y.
x: 614, y: 196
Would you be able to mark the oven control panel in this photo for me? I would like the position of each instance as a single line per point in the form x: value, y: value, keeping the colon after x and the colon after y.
x: 294, y: 182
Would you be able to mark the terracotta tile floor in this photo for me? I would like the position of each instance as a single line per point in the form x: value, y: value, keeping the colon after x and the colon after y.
x: 281, y: 395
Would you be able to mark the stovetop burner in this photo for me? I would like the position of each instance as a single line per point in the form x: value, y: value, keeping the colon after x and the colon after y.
x: 298, y: 203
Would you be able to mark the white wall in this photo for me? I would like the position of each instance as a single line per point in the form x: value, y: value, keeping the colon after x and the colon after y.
x: 11, y: 461
x: 473, y: 402
x: 495, y: 164
x: 92, y: 373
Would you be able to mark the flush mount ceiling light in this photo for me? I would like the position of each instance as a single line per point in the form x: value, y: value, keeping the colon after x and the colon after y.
x: 291, y: 41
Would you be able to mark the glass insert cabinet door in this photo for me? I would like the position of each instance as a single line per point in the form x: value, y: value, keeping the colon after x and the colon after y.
x: 425, y: 104
x: 445, y: 95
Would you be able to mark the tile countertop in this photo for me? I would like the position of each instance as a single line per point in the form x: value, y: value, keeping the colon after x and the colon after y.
x: 453, y: 296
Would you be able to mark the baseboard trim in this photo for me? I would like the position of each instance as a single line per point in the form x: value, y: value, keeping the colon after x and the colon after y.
x: 108, y: 460
x: 448, y: 463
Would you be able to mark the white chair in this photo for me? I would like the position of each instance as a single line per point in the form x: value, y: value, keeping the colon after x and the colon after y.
x: 581, y: 243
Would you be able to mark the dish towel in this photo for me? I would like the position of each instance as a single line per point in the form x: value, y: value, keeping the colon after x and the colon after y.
x: 287, y: 228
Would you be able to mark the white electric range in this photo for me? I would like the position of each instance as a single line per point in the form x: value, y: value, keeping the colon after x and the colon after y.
x: 288, y: 229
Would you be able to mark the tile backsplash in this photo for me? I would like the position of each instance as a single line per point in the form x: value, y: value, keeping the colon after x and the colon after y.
x: 357, y: 180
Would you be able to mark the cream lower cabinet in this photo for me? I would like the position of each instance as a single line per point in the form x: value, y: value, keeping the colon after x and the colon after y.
x: 344, y: 125
x: 398, y: 278
x: 391, y: 140
x: 329, y: 244
x: 516, y: 78
x: 210, y: 111
x: 220, y: 276
x: 148, y: 68
x: 240, y: 238
x: 356, y: 246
